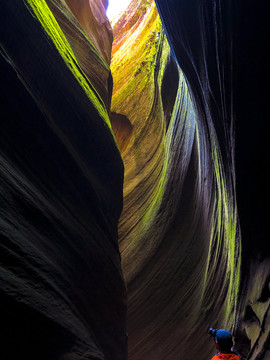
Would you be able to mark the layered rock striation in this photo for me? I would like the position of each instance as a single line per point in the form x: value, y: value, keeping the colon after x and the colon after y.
x: 178, y: 232
x: 220, y: 46
x: 62, y: 291
x: 173, y: 102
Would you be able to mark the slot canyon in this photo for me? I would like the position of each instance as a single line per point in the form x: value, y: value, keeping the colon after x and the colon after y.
x: 134, y: 189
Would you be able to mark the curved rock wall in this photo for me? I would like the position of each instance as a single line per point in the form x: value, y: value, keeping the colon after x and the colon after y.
x: 220, y: 46
x: 179, y: 235
x: 62, y: 291
x: 89, y: 34
x: 190, y: 173
x: 139, y: 59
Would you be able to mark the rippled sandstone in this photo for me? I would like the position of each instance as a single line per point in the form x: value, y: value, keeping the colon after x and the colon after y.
x: 178, y: 231
x: 192, y: 227
x: 220, y: 47
x: 62, y: 291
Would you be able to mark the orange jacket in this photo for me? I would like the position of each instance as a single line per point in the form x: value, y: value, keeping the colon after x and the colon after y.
x: 221, y: 356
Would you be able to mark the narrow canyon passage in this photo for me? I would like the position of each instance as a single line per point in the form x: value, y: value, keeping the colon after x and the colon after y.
x: 133, y: 178
x: 178, y: 229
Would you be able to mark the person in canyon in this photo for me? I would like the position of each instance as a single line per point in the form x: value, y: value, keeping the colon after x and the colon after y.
x: 224, y: 345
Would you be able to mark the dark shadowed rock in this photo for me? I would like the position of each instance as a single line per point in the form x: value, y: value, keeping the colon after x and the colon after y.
x: 62, y: 291
x: 221, y: 48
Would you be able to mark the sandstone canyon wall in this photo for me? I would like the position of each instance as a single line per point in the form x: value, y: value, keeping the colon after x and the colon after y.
x: 62, y: 291
x: 177, y: 242
x: 220, y: 46
x: 178, y: 233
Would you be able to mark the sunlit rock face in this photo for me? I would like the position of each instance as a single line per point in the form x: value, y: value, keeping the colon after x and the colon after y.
x: 89, y: 34
x: 92, y: 17
x: 178, y: 232
x: 140, y: 58
x: 62, y: 290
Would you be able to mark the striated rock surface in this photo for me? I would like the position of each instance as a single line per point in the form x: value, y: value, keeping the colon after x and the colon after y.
x: 61, y: 286
x: 179, y: 231
x: 220, y: 46
x: 88, y: 32
x: 92, y: 18
x: 192, y: 233
x: 139, y: 58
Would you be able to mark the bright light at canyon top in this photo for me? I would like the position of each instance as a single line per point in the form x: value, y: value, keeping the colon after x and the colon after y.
x: 115, y: 7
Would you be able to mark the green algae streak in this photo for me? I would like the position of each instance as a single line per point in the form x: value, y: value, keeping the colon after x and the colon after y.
x: 44, y: 15
x: 224, y: 241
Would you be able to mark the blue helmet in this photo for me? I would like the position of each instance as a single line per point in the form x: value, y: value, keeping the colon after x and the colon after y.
x: 223, y: 335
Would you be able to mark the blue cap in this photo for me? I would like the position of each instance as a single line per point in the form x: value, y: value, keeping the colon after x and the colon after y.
x: 222, y: 334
